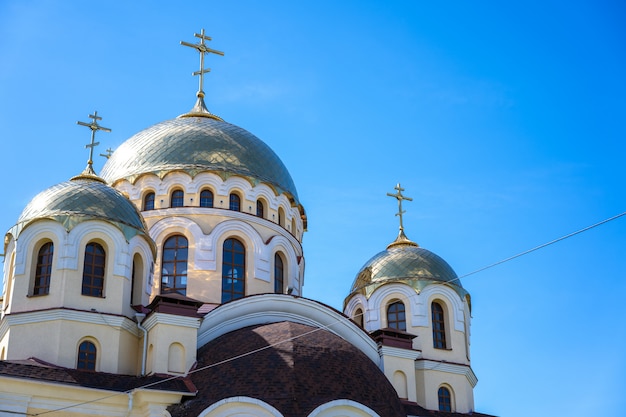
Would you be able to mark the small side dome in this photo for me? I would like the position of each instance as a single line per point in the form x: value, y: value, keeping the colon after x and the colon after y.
x: 85, y: 197
x: 195, y: 144
x: 408, y: 264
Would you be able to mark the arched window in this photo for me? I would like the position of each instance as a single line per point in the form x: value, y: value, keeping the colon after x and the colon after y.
x: 396, y: 316
x: 281, y: 216
x: 174, y: 265
x: 445, y: 399
x: 260, y: 209
x: 358, y: 317
x: 234, y: 203
x: 44, y: 270
x: 137, y: 282
x: 233, y: 270
x: 178, y: 198
x: 279, y: 274
x: 86, y: 356
x: 206, y: 198
x: 148, y: 202
x: 93, y: 270
x: 439, y: 327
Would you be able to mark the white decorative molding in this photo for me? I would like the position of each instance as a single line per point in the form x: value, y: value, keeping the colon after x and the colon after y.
x: 343, y: 408
x: 273, y: 308
x: 240, y: 406
x: 400, y: 353
x: 172, y: 320
x: 452, y: 300
x: 453, y: 368
x: 89, y: 317
x: 382, y: 295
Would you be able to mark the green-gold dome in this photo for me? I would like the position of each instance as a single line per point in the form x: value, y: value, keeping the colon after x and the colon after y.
x: 196, y: 143
x: 405, y: 262
x: 83, y: 198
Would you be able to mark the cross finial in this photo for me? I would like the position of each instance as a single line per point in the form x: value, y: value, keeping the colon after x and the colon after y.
x: 108, y: 153
x: 402, y: 239
x: 94, y: 126
x: 400, y: 197
x: 203, y: 49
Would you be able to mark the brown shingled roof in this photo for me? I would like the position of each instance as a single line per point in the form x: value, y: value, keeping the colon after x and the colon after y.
x: 36, y: 369
x: 294, y: 377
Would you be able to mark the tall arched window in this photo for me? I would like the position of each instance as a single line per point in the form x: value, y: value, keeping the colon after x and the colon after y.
x: 279, y: 274
x: 439, y: 327
x: 44, y: 270
x: 358, y: 317
x: 396, y: 316
x: 206, y: 198
x: 177, y: 199
x: 445, y: 399
x: 86, y: 356
x: 234, y: 202
x: 148, y: 202
x: 174, y: 265
x: 260, y: 209
x: 233, y: 270
x: 281, y: 216
x: 93, y: 270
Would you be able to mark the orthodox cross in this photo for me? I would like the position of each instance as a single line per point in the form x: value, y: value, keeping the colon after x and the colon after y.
x: 108, y: 153
x: 94, y: 126
x: 203, y: 49
x: 400, y: 197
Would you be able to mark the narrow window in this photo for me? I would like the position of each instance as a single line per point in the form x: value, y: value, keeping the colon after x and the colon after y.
x: 260, y: 209
x: 44, y: 270
x: 279, y: 274
x: 396, y: 317
x: 177, y: 199
x: 445, y: 400
x: 234, y: 202
x: 233, y: 270
x: 148, y: 202
x: 358, y: 317
x: 93, y: 270
x: 86, y: 356
x: 206, y: 198
x: 281, y: 216
x: 439, y: 328
x: 174, y: 265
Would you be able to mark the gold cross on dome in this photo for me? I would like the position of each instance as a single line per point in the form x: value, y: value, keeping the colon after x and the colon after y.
x: 94, y: 126
x: 203, y: 49
x: 400, y: 197
x: 108, y: 153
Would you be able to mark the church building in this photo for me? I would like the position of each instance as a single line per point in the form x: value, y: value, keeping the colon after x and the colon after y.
x: 170, y: 285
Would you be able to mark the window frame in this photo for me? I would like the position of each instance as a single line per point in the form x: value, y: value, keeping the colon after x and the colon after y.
x: 444, y: 399
x: 260, y: 208
x: 279, y: 270
x: 438, y: 322
x: 87, y: 357
x: 42, y: 280
x: 149, y: 201
x: 234, y: 202
x: 396, y: 322
x: 90, y: 278
x: 179, y: 265
x: 177, y: 198
x: 203, y: 198
x: 230, y: 267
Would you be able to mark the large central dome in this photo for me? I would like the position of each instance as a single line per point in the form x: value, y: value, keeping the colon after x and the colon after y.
x: 199, y: 144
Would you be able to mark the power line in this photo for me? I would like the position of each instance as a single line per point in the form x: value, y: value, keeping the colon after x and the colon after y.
x: 539, y: 247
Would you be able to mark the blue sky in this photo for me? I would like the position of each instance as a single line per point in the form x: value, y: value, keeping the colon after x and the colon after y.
x: 503, y: 121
